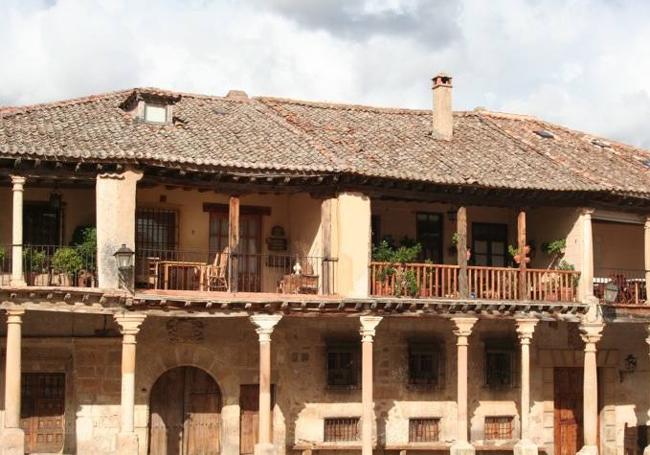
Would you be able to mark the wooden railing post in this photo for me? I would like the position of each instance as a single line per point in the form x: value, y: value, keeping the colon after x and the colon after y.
x: 233, y: 242
x: 461, y: 247
x: 523, y: 257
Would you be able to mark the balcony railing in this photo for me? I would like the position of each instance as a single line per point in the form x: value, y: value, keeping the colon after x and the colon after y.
x: 51, y: 265
x: 492, y: 283
x: 196, y: 270
x: 620, y: 286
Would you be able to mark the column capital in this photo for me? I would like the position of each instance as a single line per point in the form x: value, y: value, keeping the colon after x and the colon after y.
x: 130, y: 322
x: 587, y: 211
x: 264, y: 325
x: 525, y: 329
x: 368, y: 326
x: 591, y: 333
x: 15, y: 315
x: 463, y: 326
x: 18, y: 181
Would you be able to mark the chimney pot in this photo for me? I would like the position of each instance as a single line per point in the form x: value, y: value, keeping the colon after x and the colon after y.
x: 443, y: 117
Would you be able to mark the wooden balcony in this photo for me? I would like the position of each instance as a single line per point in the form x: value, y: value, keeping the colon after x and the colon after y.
x: 491, y: 283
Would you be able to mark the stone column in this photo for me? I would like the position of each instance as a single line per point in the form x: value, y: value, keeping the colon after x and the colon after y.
x: 646, y: 249
x: 525, y: 329
x: 646, y: 451
x: 127, y: 439
x: 591, y: 334
x: 367, y: 331
x: 462, y: 330
x: 115, y: 207
x: 17, y: 187
x: 264, y: 325
x: 13, y: 438
x: 586, y: 283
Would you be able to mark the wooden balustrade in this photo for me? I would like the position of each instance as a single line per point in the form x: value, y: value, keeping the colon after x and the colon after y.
x: 490, y: 283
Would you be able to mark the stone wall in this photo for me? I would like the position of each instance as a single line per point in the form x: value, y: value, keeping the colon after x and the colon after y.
x: 227, y: 349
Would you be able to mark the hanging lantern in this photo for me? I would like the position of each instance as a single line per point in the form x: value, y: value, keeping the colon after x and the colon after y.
x: 124, y: 257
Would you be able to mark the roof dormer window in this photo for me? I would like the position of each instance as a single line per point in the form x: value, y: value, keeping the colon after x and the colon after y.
x: 155, y: 113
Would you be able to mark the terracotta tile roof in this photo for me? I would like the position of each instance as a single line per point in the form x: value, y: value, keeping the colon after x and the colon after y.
x: 488, y: 149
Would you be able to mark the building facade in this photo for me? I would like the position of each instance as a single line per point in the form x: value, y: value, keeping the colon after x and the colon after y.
x: 187, y: 274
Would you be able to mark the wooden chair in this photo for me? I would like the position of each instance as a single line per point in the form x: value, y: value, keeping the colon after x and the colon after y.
x: 153, y: 272
x: 216, y: 275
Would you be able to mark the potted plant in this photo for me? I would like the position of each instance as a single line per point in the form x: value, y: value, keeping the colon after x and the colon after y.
x: 404, y: 282
x: 85, y: 241
x: 66, y: 262
x: 34, y: 265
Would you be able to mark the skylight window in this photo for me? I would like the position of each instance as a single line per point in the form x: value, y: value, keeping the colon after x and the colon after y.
x: 646, y: 163
x: 155, y: 113
x: 600, y: 143
x: 545, y: 134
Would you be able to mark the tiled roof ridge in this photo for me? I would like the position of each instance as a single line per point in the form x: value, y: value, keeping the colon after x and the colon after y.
x: 344, y: 106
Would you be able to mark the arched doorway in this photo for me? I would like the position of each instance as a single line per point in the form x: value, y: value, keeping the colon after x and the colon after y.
x: 185, y: 413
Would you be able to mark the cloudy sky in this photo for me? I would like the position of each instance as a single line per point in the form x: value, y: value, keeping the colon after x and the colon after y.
x: 585, y: 64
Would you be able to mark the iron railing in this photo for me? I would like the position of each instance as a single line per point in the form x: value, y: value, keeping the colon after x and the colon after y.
x: 620, y: 286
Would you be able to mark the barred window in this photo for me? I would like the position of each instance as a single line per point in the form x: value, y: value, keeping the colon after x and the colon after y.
x: 424, y: 364
x: 343, y: 365
x: 156, y: 229
x: 424, y: 430
x: 500, y: 364
x: 42, y: 412
x: 341, y: 429
x: 498, y: 427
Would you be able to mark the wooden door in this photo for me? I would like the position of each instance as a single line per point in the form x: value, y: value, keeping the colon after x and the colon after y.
x: 249, y: 407
x: 42, y: 411
x: 568, y: 410
x: 185, y: 414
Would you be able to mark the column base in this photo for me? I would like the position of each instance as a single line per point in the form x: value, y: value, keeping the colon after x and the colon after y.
x: 588, y: 450
x: 264, y: 449
x: 127, y: 444
x: 12, y: 441
x: 525, y: 447
x: 462, y: 448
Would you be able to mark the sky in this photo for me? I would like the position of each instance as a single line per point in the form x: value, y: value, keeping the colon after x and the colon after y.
x: 581, y: 63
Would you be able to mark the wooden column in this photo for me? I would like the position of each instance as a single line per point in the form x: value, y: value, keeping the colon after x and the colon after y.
x: 367, y: 331
x: 462, y: 330
x: 233, y: 242
x: 646, y: 250
x: 591, y: 334
x: 17, y: 188
x: 461, y: 247
x: 525, y: 329
x: 523, y: 256
x: 13, y: 438
x: 264, y: 325
x: 127, y: 439
x: 326, y: 236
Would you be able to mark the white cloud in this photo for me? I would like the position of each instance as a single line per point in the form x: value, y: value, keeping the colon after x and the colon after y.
x: 581, y: 63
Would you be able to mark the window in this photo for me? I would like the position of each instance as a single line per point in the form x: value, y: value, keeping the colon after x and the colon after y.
x: 42, y: 411
x: 375, y: 229
x: 490, y: 244
x: 499, y: 364
x: 424, y: 364
x: 156, y: 229
x: 341, y: 429
x: 155, y: 113
x: 343, y: 365
x: 498, y: 427
x: 41, y: 224
x: 424, y: 430
x: 429, y: 235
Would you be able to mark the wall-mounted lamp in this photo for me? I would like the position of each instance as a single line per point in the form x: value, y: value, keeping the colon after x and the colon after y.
x: 124, y: 258
x: 630, y: 367
x: 611, y: 292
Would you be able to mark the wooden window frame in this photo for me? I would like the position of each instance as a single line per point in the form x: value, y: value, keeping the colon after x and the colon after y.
x: 43, y: 206
x: 434, y: 348
x: 507, y: 348
x: 490, y: 239
x: 418, y: 433
x: 497, y: 433
x: 441, y: 241
x: 354, y: 371
x: 342, y: 427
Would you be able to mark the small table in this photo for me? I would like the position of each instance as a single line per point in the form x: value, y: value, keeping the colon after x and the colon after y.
x: 298, y: 284
x: 167, y: 266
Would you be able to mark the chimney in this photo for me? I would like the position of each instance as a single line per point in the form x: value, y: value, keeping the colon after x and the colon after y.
x: 443, y: 117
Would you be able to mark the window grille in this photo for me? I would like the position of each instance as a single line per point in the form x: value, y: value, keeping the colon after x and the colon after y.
x: 424, y: 364
x: 343, y: 365
x: 341, y: 429
x: 498, y: 427
x: 156, y: 229
x: 424, y: 430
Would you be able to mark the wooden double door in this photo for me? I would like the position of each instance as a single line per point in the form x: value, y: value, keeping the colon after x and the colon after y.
x: 185, y: 414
